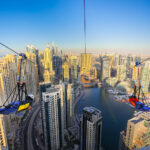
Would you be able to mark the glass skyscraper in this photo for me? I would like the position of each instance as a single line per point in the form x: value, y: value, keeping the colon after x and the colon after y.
x: 91, y: 129
x: 51, y: 117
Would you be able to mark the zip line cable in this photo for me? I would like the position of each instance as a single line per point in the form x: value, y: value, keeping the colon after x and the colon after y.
x: 9, y: 96
x: 84, y: 27
x: 20, y: 68
x: 20, y: 54
x: 9, y: 48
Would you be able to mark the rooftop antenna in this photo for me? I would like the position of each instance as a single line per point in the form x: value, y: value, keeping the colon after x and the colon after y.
x: 48, y: 46
x: 84, y: 27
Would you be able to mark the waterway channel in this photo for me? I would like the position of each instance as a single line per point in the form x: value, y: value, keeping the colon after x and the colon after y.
x: 115, y: 114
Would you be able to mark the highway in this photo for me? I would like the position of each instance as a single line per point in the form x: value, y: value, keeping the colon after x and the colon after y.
x: 30, y: 145
x: 27, y: 135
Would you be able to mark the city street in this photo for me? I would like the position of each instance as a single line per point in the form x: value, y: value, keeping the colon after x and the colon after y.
x: 29, y: 142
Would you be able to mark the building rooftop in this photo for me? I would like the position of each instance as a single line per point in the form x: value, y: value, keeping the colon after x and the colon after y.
x: 52, y: 90
x: 145, y: 115
x: 136, y: 120
x: 144, y: 148
x: 92, y: 110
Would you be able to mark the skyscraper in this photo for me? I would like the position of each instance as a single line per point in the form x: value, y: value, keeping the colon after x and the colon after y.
x: 48, y: 58
x: 3, y: 138
x: 105, y: 68
x: 129, y: 66
x: 8, y: 70
x: 74, y: 68
x: 91, y: 129
x: 86, y: 63
x: 135, y: 74
x: 48, y: 65
x: 57, y: 66
x: 31, y: 74
x: 53, y: 48
x: 137, y: 133
x: 52, y: 117
x: 145, y: 81
x: 122, y: 68
x: 66, y: 71
x: 121, y: 72
x: 31, y: 49
x: 70, y: 105
x: 2, y: 90
x: 63, y: 95
x: 33, y: 53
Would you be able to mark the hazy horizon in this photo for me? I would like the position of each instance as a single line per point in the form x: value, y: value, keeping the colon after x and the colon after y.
x: 79, y: 51
x: 116, y: 26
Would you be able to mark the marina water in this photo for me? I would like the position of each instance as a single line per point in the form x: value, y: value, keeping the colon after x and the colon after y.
x: 115, y: 114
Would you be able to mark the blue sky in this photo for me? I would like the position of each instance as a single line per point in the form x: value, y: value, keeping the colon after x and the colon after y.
x: 112, y: 25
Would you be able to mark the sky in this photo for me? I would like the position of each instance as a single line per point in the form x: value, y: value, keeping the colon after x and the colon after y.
x: 112, y: 25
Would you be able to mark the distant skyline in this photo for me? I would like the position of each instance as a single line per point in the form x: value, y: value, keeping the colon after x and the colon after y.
x: 112, y: 25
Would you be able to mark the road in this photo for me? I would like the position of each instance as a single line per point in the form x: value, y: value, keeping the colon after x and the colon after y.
x: 30, y: 145
x: 77, y: 117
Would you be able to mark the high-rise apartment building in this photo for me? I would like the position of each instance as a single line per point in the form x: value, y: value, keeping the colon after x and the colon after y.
x: 142, y: 73
x: 53, y: 48
x: 34, y: 55
x: 48, y: 59
x: 31, y: 74
x: 31, y: 49
x: 105, y: 68
x: 122, y: 60
x: 145, y: 80
x: 2, y: 89
x: 3, y: 138
x: 109, y: 69
x: 135, y: 69
x: 62, y: 88
x: 122, y: 68
x: 137, y: 72
x: 48, y: 65
x: 66, y: 71
x: 57, y: 66
x: 70, y: 105
x: 91, y: 129
x: 74, y: 68
x: 52, y: 117
x: 8, y: 70
x: 137, y: 134
x: 121, y: 72
x: 86, y: 63
x: 116, y: 61
x: 129, y: 66
x: 112, y: 60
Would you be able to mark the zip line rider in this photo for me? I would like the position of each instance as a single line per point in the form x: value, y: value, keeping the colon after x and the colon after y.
x: 24, y: 100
